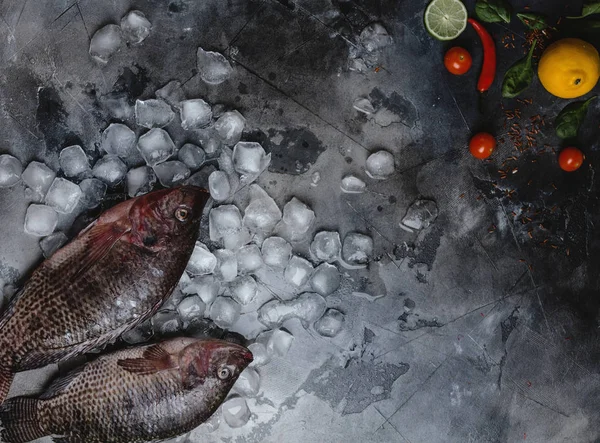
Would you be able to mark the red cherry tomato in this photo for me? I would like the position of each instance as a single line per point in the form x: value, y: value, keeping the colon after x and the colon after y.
x: 570, y: 159
x: 482, y: 145
x: 458, y: 61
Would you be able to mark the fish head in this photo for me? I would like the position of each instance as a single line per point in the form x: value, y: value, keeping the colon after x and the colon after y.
x: 160, y: 215
x: 220, y: 361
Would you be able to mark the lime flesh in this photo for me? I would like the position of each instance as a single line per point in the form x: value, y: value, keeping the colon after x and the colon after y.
x: 445, y: 19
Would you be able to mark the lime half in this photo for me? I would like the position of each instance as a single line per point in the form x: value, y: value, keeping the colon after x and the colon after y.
x: 445, y: 19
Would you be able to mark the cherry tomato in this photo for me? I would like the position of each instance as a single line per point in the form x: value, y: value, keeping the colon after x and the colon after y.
x: 570, y: 159
x: 482, y: 145
x: 458, y: 61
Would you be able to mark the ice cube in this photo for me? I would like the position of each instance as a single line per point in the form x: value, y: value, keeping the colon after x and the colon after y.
x: 118, y: 105
x: 249, y: 259
x: 298, y: 218
x: 211, y: 146
x: 243, y: 289
x: 73, y: 161
x: 315, y: 178
x: 357, y: 249
x: 184, y: 281
x: 190, y: 308
x: 224, y: 312
x: 93, y: 191
x: 363, y: 105
x: 49, y: 245
x: 172, y: 93
x: 153, y: 113
x: 195, y: 114
x: 205, y: 286
x: 202, y: 261
x: 40, y: 220
x: 226, y: 165
x: 63, y: 195
x: 225, y: 223
x: 193, y: 156
x: 235, y: 412
x: 213, y: 67
x: 10, y: 170
x: 140, y: 181
x: 166, y: 322
x: 105, y: 42
x: 353, y: 185
x: 326, y: 246
x: 135, y: 27
x: 248, y: 383
x: 276, y: 342
x: 155, y: 146
x: 230, y: 126
x: 140, y: 334
x: 307, y: 307
x: 380, y: 165
x: 420, y: 214
x: 171, y: 173
x: 218, y: 185
x: 262, y: 213
x: 298, y: 271
x: 326, y: 279
x: 226, y: 269
x: 38, y: 177
x: 260, y: 354
x: 110, y: 169
x: 249, y: 160
x: 276, y: 252
x: 119, y: 140
x: 330, y: 324
x: 375, y: 37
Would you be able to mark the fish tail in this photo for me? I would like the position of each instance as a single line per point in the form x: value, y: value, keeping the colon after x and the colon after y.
x: 6, y: 378
x: 20, y: 420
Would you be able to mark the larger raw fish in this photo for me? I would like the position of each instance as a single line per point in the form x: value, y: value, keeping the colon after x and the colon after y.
x: 133, y: 395
x: 114, y: 275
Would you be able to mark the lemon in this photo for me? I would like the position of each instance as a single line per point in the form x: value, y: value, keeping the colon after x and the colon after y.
x: 569, y: 68
x: 445, y: 19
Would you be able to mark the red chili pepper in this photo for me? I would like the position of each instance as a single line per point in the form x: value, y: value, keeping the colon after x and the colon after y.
x: 488, y: 70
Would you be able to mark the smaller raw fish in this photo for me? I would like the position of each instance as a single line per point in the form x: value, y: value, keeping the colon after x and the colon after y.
x: 132, y: 395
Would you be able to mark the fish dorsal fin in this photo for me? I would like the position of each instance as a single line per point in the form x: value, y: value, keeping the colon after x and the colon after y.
x: 154, y: 359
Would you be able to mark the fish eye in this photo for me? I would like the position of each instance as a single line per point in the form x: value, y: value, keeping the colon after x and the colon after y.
x: 182, y: 214
x: 224, y: 373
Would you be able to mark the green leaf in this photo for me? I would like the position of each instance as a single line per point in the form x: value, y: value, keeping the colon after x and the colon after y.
x: 493, y: 11
x: 569, y: 120
x: 589, y: 8
x: 519, y: 76
x: 533, y: 21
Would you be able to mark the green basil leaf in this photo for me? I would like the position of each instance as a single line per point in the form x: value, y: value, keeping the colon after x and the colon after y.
x: 519, y: 76
x: 493, y: 11
x: 533, y: 21
x: 589, y: 8
x: 569, y: 120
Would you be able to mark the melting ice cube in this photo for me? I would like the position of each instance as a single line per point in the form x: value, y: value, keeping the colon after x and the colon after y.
x: 375, y: 37
x: 420, y: 214
x: 171, y: 173
x: 38, y: 177
x: 202, y: 261
x: 307, y: 307
x: 330, y: 324
x: 205, y: 286
x: 213, y: 67
x: 172, y: 93
x: 363, y: 105
x: 249, y: 259
x: 380, y: 165
x: 249, y: 160
x: 105, y: 42
x: 218, y: 185
x: 53, y: 243
x: 326, y: 279
x: 40, y: 220
x: 118, y: 105
x: 225, y: 223
x: 93, y: 191
x: 110, y: 169
x: 73, y: 161
x: 352, y: 185
x: 276, y: 342
x: 226, y: 269
x: 262, y: 213
x: 230, y: 126
x: 190, y: 308
x: 10, y: 170
x: 260, y: 354
x: 166, y: 322
x: 235, y: 412
x: 140, y: 181
x: 326, y: 246
x: 276, y: 252
x: 193, y: 156
x: 243, y: 289
x: 119, y: 140
x: 248, y: 383
x: 298, y: 218
x: 195, y: 114
x: 140, y: 334
x: 153, y: 113
x: 135, y: 27
x: 155, y: 146
x: 224, y: 312
x: 357, y: 249
x: 63, y: 196
x: 298, y: 271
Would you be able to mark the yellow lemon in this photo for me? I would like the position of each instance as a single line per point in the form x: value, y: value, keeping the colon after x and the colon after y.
x: 569, y: 68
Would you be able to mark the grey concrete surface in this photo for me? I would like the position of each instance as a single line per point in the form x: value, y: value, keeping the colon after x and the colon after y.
x: 480, y: 328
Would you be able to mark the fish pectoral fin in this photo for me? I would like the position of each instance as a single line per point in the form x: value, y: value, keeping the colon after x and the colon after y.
x: 154, y: 359
x: 6, y: 378
x: 101, y: 238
